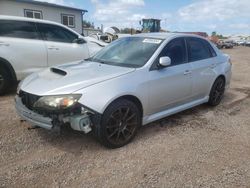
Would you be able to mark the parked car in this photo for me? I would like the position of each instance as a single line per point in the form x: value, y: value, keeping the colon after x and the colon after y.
x: 131, y: 82
x: 240, y: 42
x: 225, y: 44
x: 247, y: 43
x: 28, y: 45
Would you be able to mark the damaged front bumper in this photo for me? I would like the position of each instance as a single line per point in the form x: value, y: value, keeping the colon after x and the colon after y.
x: 80, y: 122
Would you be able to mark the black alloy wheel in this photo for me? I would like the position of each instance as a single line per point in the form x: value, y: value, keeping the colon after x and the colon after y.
x: 217, y: 92
x: 119, y: 123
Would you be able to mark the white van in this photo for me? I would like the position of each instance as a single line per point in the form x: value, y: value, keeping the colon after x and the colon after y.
x: 28, y: 45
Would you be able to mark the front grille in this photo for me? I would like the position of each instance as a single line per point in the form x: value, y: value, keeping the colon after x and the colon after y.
x: 28, y: 99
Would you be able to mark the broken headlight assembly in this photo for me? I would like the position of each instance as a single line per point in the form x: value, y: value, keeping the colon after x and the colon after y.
x: 57, y: 102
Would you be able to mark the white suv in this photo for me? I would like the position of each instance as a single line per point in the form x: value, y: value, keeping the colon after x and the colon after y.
x: 28, y: 45
x: 132, y: 81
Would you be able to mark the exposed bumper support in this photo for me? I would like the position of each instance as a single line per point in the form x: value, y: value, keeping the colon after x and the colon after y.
x: 33, y: 118
x: 81, y: 122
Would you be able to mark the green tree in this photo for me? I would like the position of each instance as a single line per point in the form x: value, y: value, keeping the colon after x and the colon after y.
x: 214, y: 33
x: 87, y: 24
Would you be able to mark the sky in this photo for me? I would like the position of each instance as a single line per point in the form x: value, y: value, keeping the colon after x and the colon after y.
x: 223, y: 16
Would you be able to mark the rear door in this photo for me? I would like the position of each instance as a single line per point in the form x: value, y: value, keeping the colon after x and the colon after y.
x: 60, y: 44
x: 170, y: 86
x: 21, y: 45
x: 203, y: 60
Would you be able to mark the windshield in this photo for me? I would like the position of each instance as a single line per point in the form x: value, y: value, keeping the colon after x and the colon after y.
x: 128, y: 52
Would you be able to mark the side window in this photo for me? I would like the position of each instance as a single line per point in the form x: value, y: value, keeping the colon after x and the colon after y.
x: 56, y: 33
x: 210, y: 48
x: 197, y: 49
x: 18, y: 29
x: 176, y: 50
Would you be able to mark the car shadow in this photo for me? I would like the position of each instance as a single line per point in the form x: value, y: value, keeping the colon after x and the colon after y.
x: 11, y: 91
x: 69, y: 140
x: 77, y: 142
x: 172, y: 122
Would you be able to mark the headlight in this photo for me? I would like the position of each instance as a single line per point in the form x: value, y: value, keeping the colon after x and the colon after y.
x: 59, y: 102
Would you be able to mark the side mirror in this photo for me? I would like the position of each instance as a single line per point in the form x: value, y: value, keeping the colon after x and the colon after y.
x: 164, y: 61
x: 79, y: 41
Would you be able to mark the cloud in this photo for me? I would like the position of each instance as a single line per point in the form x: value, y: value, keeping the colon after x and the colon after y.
x: 59, y: 2
x: 240, y: 26
x: 220, y: 10
x: 121, y: 13
x: 214, y: 15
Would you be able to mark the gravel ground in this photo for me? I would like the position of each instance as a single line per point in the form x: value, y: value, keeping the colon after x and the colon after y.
x: 201, y: 147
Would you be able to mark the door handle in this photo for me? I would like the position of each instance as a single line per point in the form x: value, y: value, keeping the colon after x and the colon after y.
x: 53, y: 48
x: 187, y: 72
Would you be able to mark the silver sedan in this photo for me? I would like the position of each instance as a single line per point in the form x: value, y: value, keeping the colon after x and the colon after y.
x: 131, y: 82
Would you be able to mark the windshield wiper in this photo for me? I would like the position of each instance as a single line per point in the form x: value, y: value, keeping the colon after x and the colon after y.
x: 88, y: 59
x: 98, y: 61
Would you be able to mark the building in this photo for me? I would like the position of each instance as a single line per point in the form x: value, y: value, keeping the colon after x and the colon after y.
x: 203, y: 34
x: 69, y: 16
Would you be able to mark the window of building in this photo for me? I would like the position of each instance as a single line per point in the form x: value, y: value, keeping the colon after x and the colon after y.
x: 33, y: 14
x: 68, y: 20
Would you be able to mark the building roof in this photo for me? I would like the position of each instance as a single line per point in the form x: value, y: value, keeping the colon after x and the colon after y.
x: 50, y: 5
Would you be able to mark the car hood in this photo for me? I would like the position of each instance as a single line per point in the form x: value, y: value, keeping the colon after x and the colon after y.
x: 68, y: 78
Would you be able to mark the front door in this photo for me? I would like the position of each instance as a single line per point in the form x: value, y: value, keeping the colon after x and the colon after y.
x: 61, y: 46
x: 171, y: 86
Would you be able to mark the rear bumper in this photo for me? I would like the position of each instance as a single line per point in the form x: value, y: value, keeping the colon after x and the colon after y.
x: 32, y: 117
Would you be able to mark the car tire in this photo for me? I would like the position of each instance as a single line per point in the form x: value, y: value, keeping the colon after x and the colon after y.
x: 4, y: 80
x: 119, y: 124
x: 217, y: 92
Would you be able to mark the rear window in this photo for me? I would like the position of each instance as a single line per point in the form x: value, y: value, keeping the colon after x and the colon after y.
x: 197, y: 49
x: 18, y: 29
x: 211, y: 49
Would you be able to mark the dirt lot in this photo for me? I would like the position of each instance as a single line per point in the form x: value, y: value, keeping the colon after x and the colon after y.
x: 201, y: 147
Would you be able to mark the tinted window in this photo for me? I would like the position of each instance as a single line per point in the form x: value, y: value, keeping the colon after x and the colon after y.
x: 56, y: 33
x: 18, y: 29
x: 176, y: 50
x: 210, y: 48
x: 198, y: 50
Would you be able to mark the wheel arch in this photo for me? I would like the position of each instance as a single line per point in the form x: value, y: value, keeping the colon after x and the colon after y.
x: 131, y: 98
x: 6, y: 64
x: 219, y: 76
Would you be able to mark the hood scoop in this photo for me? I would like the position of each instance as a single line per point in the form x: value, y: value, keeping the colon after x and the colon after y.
x: 58, y: 71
